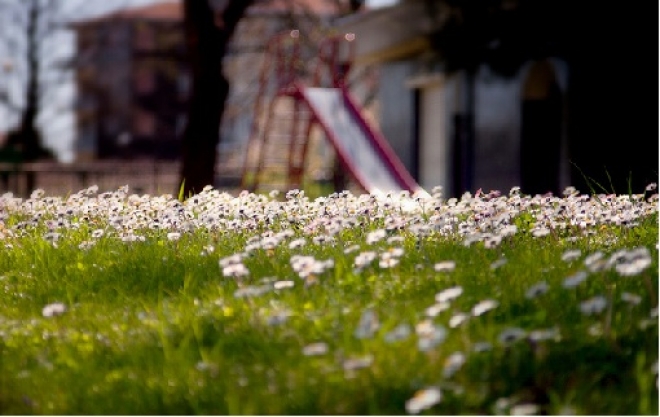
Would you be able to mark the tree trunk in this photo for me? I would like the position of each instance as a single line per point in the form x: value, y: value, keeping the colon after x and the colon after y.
x: 207, y: 37
x: 28, y: 135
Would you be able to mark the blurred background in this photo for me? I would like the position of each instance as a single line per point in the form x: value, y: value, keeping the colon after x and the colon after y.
x: 481, y: 94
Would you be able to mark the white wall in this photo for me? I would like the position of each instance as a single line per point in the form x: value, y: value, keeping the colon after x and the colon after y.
x: 433, y: 142
x: 396, y: 109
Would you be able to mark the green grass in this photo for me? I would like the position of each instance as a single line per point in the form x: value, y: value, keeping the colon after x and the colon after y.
x: 154, y: 327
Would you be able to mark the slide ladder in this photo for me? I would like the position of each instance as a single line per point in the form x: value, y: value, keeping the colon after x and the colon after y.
x: 277, y: 146
x: 276, y: 154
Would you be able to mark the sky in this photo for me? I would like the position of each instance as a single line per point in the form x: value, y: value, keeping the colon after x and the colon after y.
x: 381, y: 3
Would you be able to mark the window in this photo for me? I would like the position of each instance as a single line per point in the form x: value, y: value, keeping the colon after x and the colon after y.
x: 144, y: 80
x: 144, y: 37
x: 144, y: 123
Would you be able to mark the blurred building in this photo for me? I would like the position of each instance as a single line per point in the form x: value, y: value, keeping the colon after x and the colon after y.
x: 533, y: 93
x: 132, y: 83
x: 133, y: 80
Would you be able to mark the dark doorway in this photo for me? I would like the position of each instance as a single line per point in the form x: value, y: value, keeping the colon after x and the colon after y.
x: 540, y: 136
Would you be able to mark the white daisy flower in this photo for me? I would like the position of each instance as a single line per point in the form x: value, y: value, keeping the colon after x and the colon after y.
x: 445, y: 266
x: 400, y: 332
x: 595, y: 262
x: 208, y: 249
x: 235, y: 270
x: 501, y: 405
x: 173, y: 236
x: 436, y: 309
x: 571, y: 255
x: 363, y: 259
x: 351, y: 249
x: 306, y: 266
x: 202, y: 366
x: 593, y: 305
x: 536, y: 290
x: 453, y: 363
x: 53, y: 237
x: 541, y: 232
x: 387, y: 262
x: 395, y: 252
x: 353, y: 364
x: 508, y: 230
x: 298, y: 243
x: 278, y: 317
x: 54, y: 309
x: 449, y: 294
x: 323, y: 240
x: 315, y: 349
x: 429, y: 335
x: 483, y: 307
x: 511, y: 335
x: 629, y: 298
x: 632, y: 262
x: 423, y: 399
x: 492, y: 241
x: 280, y: 285
x: 481, y: 347
x: 524, y: 410
x: 575, y: 279
x: 86, y: 245
x: 395, y: 239
x: 544, y: 334
x: 368, y: 325
x: 595, y: 330
x: 632, y: 268
x: 458, y: 319
x: 251, y: 291
x: 230, y: 260
x: 498, y: 263
x: 376, y: 236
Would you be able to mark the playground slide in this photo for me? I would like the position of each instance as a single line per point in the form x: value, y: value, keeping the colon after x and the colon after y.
x: 363, y: 150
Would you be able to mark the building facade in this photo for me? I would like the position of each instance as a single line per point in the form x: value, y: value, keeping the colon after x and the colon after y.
x: 492, y: 95
x: 132, y: 83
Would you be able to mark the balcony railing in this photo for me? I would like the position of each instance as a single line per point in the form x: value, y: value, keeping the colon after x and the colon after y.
x: 142, y: 176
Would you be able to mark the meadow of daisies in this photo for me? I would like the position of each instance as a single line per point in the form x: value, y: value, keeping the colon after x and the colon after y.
x: 117, y: 303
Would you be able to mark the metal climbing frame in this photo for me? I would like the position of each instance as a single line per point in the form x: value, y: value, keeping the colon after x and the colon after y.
x: 331, y: 65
